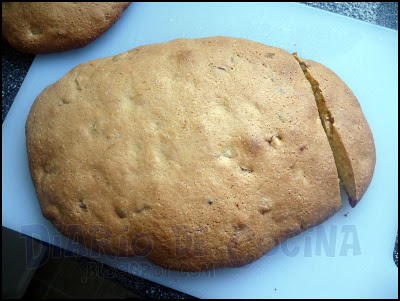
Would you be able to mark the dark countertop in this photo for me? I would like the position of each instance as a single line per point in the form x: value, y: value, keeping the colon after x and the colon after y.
x: 15, y: 66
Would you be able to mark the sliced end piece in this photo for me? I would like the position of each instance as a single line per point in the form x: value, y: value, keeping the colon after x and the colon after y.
x: 345, y: 125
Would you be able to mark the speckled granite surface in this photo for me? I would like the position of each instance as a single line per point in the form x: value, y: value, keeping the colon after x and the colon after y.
x: 380, y: 13
x: 16, y: 65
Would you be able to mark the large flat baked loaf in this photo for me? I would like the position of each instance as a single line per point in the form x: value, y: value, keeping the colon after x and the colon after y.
x: 197, y: 154
x: 43, y: 27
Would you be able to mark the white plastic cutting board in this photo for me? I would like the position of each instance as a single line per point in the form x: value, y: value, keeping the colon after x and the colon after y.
x: 357, y: 258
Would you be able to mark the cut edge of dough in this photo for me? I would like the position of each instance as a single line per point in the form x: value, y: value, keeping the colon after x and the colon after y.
x: 342, y: 160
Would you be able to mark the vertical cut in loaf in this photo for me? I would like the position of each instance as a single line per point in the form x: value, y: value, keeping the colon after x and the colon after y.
x: 345, y: 125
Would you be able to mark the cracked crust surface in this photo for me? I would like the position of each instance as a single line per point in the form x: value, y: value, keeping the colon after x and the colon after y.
x: 198, y: 154
x: 351, y: 137
x: 44, y: 27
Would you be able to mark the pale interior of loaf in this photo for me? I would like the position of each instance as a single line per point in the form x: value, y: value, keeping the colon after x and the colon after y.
x: 342, y: 160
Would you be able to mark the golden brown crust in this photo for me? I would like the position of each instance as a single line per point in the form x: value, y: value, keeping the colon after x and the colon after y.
x: 44, y: 27
x: 198, y: 154
x: 350, y: 124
